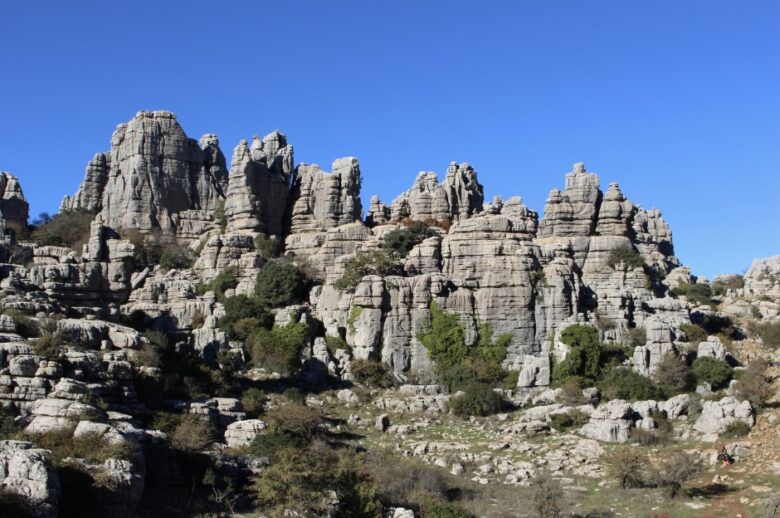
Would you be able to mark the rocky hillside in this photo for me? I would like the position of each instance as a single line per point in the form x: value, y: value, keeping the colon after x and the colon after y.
x: 185, y: 334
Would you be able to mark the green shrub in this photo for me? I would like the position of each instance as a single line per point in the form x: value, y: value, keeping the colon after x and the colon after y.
x: 694, y: 333
x: 637, y: 336
x: 756, y: 313
x: 625, y: 383
x: 91, y: 447
x: 673, y: 376
x: 713, y: 371
x: 770, y: 334
x: 373, y: 262
x: 489, y: 350
x: 695, y: 293
x: 371, y: 374
x: 401, y: 241
x: 626, y: 255
x: 253, y: 401
x: 754, y: 384
x: 49, y: 346
x: 571, y: 392
x: 584, y: 357
x: 279, y: 283
x: 226, y: 280
x: 721, y: 286
x: 68, y: 228
x: 735, y: 429
x: 243, y: 316
x: 267, y: 444
x: 278, y: 349
x: 409, y: 482
x: 336, y: 342
x: 567, y: 420
x: 302, y: 480
x: 628, y: 466
x: 472, y: 369
x: 444, y: 338
x: 157, y: 338
x: 295, y: 419
x: 193, y: 433
x: 478, y: 399
x: 268, y: 247
x: 176, y: 257
x: 24, y: 325
x: 8, y: 427
x: 675, y: 471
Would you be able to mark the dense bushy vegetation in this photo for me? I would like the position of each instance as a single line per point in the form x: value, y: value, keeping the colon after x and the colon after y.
x: 477, y: 399
x: 626, y: 383
x: 673, y: 375
x: 279, y: 348
x: 401, y: 241
x: 225, y: 280
x: 370, y: 373
x: 633, y: 469
x: 444, y: 338
x: 713, y: 371
x: 68, y: 228
x: 698, y: 293
x: 625, y: 255
x: 373, y: 262
x: 769, y: 333
x: 584, y: 357
x: 280, y: 283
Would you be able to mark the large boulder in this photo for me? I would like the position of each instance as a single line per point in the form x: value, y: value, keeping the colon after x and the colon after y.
x: 26, y: 471
x: 716, y: 416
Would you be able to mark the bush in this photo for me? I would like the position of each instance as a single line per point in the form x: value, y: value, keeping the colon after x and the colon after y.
x: 713, y: 371
x: 295, y: 419
x: 444, y: 338
x: 628, y: 466
x: 68, y: 228
x: 91, y: 447
x: 268, y: 248
x: 675, y: 471
x: 489, y: 350
x: 244, y: 316
x: 625, y: 383
x: 335, y: 342
x: 694, y: 333
x: 268, y: 443
x: 49, y: 346
x: 176, y: 257
x: 401, y: 241
x: 571, y: 392
x: 8, y: 427
x: 253, y: 401
x: 408, y: 482
x: 472, y: 369
x: 373, y: 262
x: 626, y: 255
x: 770, y: 334
x: 548, y: 500
x: 24, y: 325
x: 478, y: 399
x: 437, y: 508
x: 637, y: 336
x: 193, y: 433
x: 584, y: 357
x: 673, y: 376
x: 695, y: 293
x: 567, y: 420
x: 304, y: 480
x: 279, y: 284
x: 735, y: 429
x: 754, y: 385
x: 278, y: 349
x: 371, y: 374
x: 226, y: 280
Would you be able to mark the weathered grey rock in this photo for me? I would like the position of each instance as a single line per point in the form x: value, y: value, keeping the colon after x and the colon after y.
x: 610, y: 422
x: 259, y: 185
x: 717, y: 415
x: 321, y: 200
x: 712, y: 347
x: 242, y: 433
x: 90, y: 194
x: 13, y: 205
x: 26, y: 471
x: 95, y: 333
x: 458, y: 197
x: 158, y: 178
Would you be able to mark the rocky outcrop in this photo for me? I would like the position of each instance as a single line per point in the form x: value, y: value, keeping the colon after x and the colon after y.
x: 155, y: 178
x: 13, y: 205
x: 259, y: 185
x: 321, y: 200
x: 458, y: 197
x: 242, y: 433
x: 716, y: 416
x: 26, y: 471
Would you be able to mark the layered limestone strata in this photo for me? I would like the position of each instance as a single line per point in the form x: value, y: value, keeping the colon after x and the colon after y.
x: 13, y: 205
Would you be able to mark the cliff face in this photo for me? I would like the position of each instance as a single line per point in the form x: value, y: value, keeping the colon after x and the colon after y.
x: 490, y: 263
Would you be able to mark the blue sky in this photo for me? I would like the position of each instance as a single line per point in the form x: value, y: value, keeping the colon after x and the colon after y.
x: 679, y: 102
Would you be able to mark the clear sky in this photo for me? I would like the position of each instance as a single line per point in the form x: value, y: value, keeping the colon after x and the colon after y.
x: 677, y: 101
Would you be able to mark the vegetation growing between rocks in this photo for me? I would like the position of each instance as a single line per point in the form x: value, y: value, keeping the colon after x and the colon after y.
x: 401, y: 241
x: 68, y: 228
x: 626, y: 255
x: 225, y: 280
x: 373, y: 262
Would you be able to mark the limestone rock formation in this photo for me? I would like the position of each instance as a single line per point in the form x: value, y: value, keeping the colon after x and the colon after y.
x: 155, y: 178
x: 27, y: 472
x: 259, y: 185
x: 13, y: 205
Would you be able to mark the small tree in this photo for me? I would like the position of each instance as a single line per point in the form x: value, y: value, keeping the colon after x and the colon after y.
x: 477, y: 399
x: 673, y: 376
x: 754, y: 385
x: 444, y: 338
x: 401, y: 241
x: 584, y: 357
x: 374, y: 262
x: 193, y: 433
x: 628, y: 466
x: 675, y: 471
x: 625, y: 255
x: 548, y: 499
x: 280, y: 283
x: 713, y: 371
